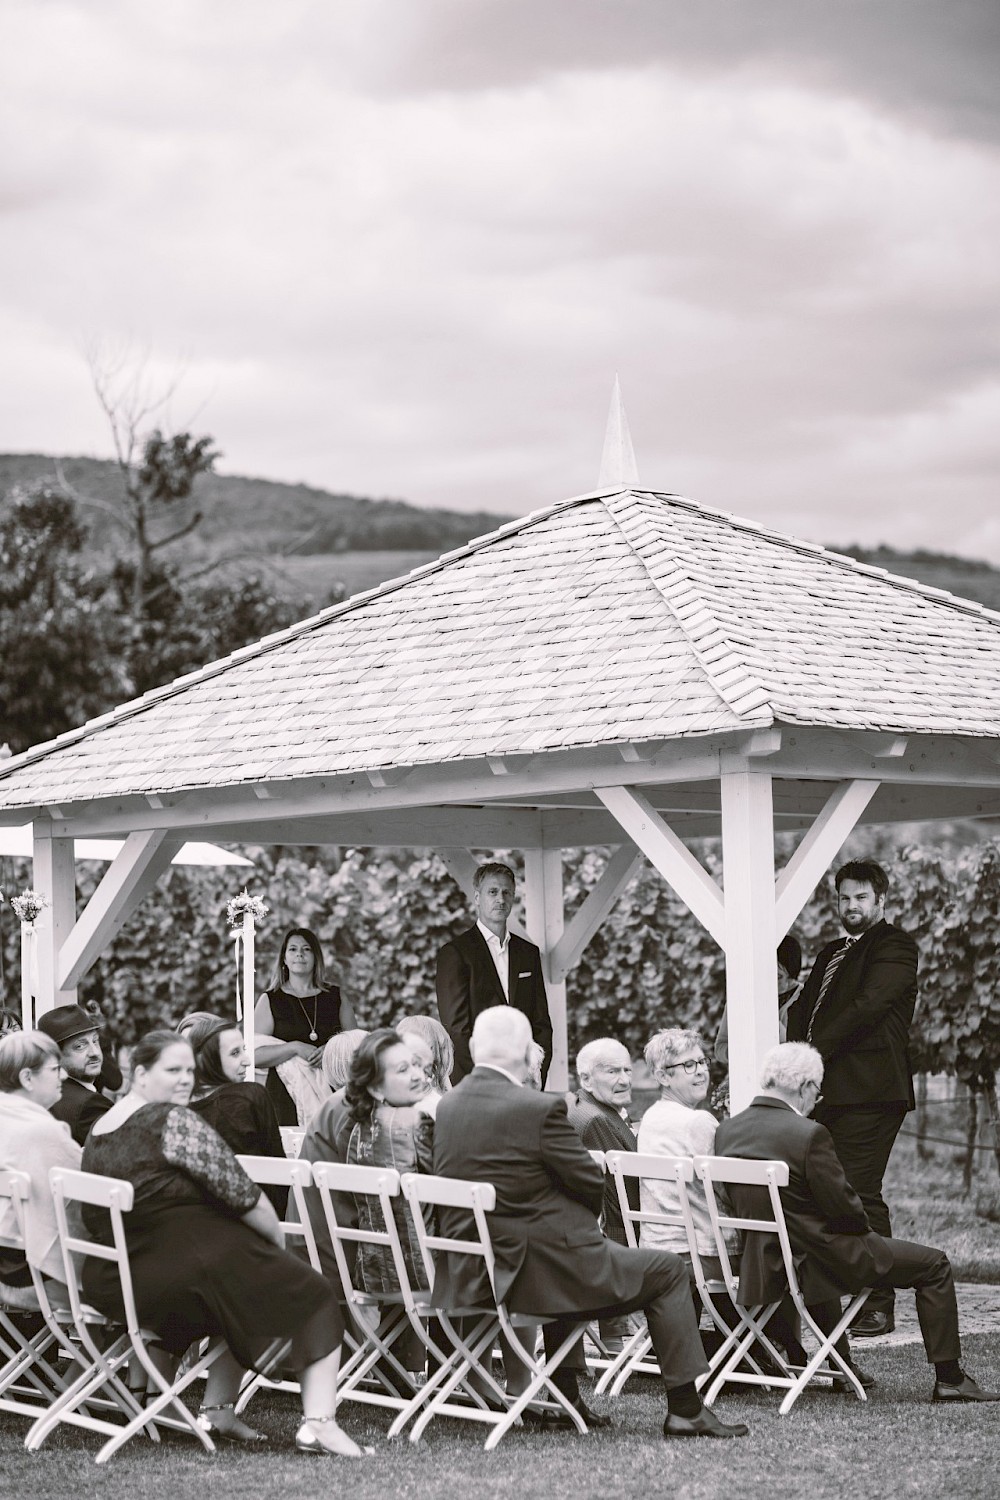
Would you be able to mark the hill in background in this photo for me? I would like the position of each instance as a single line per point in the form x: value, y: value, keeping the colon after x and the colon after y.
x: 321, y: 544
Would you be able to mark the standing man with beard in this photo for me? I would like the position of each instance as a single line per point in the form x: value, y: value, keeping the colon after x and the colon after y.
x: 856, y: 1008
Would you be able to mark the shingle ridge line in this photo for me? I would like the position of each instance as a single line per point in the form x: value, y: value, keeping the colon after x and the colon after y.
x: 177, y: 685
x: 842, y: 559
x: 732, y: 694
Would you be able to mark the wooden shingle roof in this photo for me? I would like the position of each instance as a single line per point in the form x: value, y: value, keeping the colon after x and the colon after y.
x: 621, y: 616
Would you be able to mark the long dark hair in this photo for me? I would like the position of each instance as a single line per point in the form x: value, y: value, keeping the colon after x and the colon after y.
x: 149, y: 1048
x: 204, y: 1037
x: 366, y: 1070
x: 279, y: 974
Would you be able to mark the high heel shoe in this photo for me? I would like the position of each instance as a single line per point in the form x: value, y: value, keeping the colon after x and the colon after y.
x: 249, y: 1438
x: 322, y: 1435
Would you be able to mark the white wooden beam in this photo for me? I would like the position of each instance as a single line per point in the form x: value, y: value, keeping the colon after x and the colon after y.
x: 543, y: 910
x: 127, y: 881
x: 675, y: 862
x: 750, y: 935
x: 54, y: 876
x: 814, y: 855
x: 588, y: 917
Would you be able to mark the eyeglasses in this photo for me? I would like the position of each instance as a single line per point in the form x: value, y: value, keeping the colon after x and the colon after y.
x: 690, y: 1064
x: 819, y: 1097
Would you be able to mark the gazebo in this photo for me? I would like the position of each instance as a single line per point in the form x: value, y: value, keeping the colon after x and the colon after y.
x: 625, y: 668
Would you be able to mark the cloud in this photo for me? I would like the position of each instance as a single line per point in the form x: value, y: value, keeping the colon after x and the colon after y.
x: 401, y: 251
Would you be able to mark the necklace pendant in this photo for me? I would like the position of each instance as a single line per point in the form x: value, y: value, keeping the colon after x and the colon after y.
x: 313, y: 1037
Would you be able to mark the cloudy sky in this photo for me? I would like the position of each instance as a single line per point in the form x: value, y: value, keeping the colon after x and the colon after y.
x: 401, y: 247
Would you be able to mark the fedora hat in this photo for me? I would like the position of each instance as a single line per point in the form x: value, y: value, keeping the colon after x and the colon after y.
x: 66, y: 1021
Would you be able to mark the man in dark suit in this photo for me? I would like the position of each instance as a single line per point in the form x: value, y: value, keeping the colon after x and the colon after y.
x: 552, y: 1261
x: 487, y: 966
x: 81, y: 1059
x: 836, y: 1249
x: 855, y: 1009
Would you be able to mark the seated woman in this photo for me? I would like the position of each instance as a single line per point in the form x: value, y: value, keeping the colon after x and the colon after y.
x: 676, y: 1125
x: 241, y: 1112
x: 32, y: 1141
x: 387, y: 1130
x: 206, y: 1253
x: 434, y: 1049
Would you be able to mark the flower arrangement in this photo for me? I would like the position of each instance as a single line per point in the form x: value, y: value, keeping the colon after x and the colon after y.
x: 28, y: 906
x: 237, y: 908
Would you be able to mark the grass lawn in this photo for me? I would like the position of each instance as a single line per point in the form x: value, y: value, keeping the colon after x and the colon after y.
x: 828, y: 1448
x: 927, y: 1204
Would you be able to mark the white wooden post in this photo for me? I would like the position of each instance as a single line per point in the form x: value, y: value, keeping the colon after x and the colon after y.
x: 750, y: 928
x: 249, y: 994
x: 29, y: 974
x: 543, y: 912
x: 54, y: 878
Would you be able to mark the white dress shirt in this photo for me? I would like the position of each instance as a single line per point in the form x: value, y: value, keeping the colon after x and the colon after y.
x: 500, y: 954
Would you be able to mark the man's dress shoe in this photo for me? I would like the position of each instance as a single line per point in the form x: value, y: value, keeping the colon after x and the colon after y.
x: 560, y: 1421
x: 965, y: 1390
x: 705, y: 1424
x: 872, y: 1325
x: 843, y: 1386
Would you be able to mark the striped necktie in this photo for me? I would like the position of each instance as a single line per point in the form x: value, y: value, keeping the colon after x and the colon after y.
x: 829, y: 973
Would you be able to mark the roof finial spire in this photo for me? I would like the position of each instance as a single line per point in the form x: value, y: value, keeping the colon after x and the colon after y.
x: 618, y: 465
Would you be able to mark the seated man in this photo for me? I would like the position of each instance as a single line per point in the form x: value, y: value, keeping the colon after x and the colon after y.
x: 81, y: 1058
x: 827, y: 1223
x: 552, y: 1261
x: 598, y: 1112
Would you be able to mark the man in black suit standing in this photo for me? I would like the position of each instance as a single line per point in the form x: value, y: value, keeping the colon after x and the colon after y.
x: 75, y: 1033
x: 552, y: 1261
x: 486, y: 966
x: 827, y: 1224
x: 855, y: 1009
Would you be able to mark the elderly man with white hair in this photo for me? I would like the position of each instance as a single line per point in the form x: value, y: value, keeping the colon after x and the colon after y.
x: 598, y: 1112
x: 552, y: 1261
x: 827, y: 1224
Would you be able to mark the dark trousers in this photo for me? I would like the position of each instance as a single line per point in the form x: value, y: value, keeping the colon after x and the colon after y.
x: 864, y: 1138
x: 665, y: 1298
x: 929, y: 1273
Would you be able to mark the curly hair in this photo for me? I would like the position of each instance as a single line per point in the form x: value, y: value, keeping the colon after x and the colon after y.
x: 366, y: 1070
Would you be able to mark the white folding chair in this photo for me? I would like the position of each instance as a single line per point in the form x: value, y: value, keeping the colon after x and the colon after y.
x: 372, y: 1374
x: 100, y: 1371
x: 296, y: 1176
x: 468, y: 1366
x: 28, y: 1379
x: 766, y: 1179
x: 291, y: 1139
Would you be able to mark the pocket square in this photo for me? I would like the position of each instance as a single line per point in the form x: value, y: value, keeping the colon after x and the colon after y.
x: 524, y: 974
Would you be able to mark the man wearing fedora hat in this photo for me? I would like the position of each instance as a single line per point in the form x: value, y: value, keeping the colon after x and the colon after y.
x: 80, y: 1056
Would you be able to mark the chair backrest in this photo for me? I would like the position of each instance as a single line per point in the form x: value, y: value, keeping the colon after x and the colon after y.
x: 725, y: 1171
x: 296, y: 1176
x: 599, y: 1159
x: 291, y: 1139
x: 15, y: 1189
x: 381, y: 1184
x: 678, y: 1170
x: 477, y: 1199
x: 109, y: 1193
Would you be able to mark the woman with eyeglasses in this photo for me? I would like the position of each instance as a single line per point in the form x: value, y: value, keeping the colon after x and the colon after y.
x: 677, y: 1125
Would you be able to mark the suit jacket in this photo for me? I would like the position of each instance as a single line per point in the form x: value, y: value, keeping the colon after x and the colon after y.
x: 551, y: 1256
x: 601, y: 1128
x: 79, y: 1107
x: 468, y: 982
x: 835, y: 1249
x: 862, y: 1028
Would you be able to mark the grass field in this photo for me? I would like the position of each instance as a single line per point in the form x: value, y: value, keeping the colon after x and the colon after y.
x: 828, y: 1448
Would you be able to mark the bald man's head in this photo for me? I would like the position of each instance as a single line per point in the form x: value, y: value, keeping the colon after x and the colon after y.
x: 501, y: 1038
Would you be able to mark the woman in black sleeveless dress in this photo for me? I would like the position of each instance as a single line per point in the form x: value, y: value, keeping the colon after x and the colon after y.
x: 297, y: 1014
